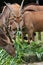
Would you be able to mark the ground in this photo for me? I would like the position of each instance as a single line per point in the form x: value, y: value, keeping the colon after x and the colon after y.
x: 40, y: 63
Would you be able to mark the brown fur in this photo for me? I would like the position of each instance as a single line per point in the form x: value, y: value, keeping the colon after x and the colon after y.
x: 33, y: 22
x: 5, y: 41
x: 6, y: 16
x: 6, y: 13
x: 6, y: 44
x: 33, y: 7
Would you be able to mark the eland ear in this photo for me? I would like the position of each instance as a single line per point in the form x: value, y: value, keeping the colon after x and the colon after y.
x: 11, y: 9
x: 8, y: 5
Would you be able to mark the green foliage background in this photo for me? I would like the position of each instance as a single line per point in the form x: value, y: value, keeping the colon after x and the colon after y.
x: 22, y: 49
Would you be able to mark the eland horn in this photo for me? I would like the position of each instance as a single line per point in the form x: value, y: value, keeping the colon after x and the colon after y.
x: 21, y: 5
x: 10, y: 8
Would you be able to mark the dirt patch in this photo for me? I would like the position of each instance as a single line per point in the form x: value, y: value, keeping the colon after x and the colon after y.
x: 40, y: 63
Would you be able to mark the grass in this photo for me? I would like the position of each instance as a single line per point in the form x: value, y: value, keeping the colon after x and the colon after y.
x: 22, y: 48
x: 37, y: 36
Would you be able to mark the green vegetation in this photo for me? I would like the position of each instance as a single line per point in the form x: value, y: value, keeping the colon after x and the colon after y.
x: 24, y: 52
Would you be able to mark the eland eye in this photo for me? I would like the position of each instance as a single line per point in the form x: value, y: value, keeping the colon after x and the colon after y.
x: 14, y: 29
x: 13, y: 45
